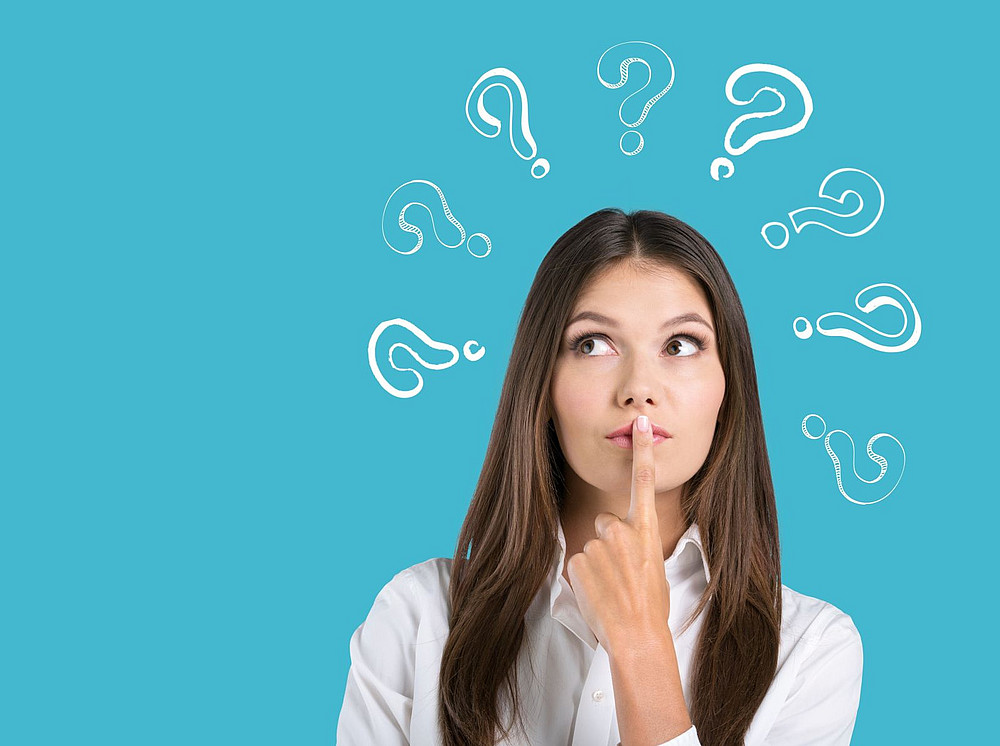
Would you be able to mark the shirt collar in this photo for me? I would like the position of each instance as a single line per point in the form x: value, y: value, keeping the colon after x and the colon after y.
x: 690, y: 538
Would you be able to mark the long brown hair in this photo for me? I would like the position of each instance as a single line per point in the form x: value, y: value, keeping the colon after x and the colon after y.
x: 509, y: 539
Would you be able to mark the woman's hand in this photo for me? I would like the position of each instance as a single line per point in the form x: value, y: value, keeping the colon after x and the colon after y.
x: 618, y: 578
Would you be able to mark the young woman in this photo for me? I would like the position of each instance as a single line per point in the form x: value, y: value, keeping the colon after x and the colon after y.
x: 618, y: 575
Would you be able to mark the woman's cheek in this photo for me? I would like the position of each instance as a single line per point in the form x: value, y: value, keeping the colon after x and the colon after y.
x: 579, y: 397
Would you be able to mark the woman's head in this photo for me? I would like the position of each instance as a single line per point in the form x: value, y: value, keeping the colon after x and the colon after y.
x: 557, y: 405
x: 640, y: 340
x: 641, y: 269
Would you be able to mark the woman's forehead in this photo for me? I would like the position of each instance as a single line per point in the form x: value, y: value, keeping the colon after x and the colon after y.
x: 621, y: 290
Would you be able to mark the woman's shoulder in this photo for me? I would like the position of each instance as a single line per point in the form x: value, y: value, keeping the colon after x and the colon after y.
x: 429, y: 576
x: 393, y: 653
x: 424, y: 577
x: 813, y: 621
x: 422, y: 589
x: 820, y: 667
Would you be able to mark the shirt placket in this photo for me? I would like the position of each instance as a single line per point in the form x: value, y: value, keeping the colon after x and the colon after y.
x: 597, y: 704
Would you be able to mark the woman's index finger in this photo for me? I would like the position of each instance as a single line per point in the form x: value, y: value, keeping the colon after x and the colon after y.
x: 642, y: 508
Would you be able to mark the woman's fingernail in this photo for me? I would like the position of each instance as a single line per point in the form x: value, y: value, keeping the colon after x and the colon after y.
x: 643, y: 423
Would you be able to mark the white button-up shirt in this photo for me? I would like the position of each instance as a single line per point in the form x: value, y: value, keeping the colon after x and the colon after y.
x: 564, y: 674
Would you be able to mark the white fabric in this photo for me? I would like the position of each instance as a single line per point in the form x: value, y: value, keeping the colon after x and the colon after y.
x: 564, y: 676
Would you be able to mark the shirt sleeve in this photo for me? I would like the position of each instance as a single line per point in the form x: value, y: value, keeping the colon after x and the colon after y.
x: 822, y: 705
x: 378, y: 701
x: 687, y: 738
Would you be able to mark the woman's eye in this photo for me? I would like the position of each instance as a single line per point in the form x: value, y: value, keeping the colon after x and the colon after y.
x: 675, y: 347
x: 589, y: 342
x: 675, y: 343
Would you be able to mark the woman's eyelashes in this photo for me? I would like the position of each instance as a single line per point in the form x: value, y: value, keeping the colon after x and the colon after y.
x: 696, y: 340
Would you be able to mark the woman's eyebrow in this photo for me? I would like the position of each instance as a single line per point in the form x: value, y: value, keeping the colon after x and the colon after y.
x: 601, y: 318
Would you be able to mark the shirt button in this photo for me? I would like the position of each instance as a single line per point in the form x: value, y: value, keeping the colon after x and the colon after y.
x: 598, y: 695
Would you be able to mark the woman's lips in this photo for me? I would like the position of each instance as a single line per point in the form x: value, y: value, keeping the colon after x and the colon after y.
x: 625, y: 441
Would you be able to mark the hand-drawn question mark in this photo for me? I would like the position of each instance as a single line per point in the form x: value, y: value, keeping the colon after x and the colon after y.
x: 373, y: 364
x: 877, y: 301
x: 820, y: 216
x: 623, y: 65
x: 877, y: 458
x: 409, y: 228
x: 722, y: 161
x: 505, y: 77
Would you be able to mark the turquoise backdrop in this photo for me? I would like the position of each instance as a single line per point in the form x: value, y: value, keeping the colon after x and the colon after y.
x: 204, y: 485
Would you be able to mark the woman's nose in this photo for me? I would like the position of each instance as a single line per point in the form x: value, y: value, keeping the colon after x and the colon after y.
x: 641, y: 384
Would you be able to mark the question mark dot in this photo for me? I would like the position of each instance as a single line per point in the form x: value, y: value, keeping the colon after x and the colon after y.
x: 720, y: 163
x: 469, y: 354
x: 805, y: 332
x: 805, y: 427
x: 621, y: 142
x: 784, y: 231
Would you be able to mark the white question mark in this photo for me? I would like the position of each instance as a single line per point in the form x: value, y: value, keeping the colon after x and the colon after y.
x: 409, y: 228
x: 882, y: 462
x: 373, y: 364
x: 506, y: 77
x: 623, y: 65
x: 723, y: 162
x: 877, y: 301
x: 816, y: 215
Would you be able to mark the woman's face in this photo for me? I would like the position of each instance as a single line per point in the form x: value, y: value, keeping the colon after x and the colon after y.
x: 638, y: 361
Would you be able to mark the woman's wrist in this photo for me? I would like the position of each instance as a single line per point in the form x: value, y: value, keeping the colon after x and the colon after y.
x: 632, y: 646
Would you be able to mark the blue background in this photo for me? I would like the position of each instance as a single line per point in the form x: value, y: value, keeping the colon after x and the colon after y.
x: 204, y: 486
